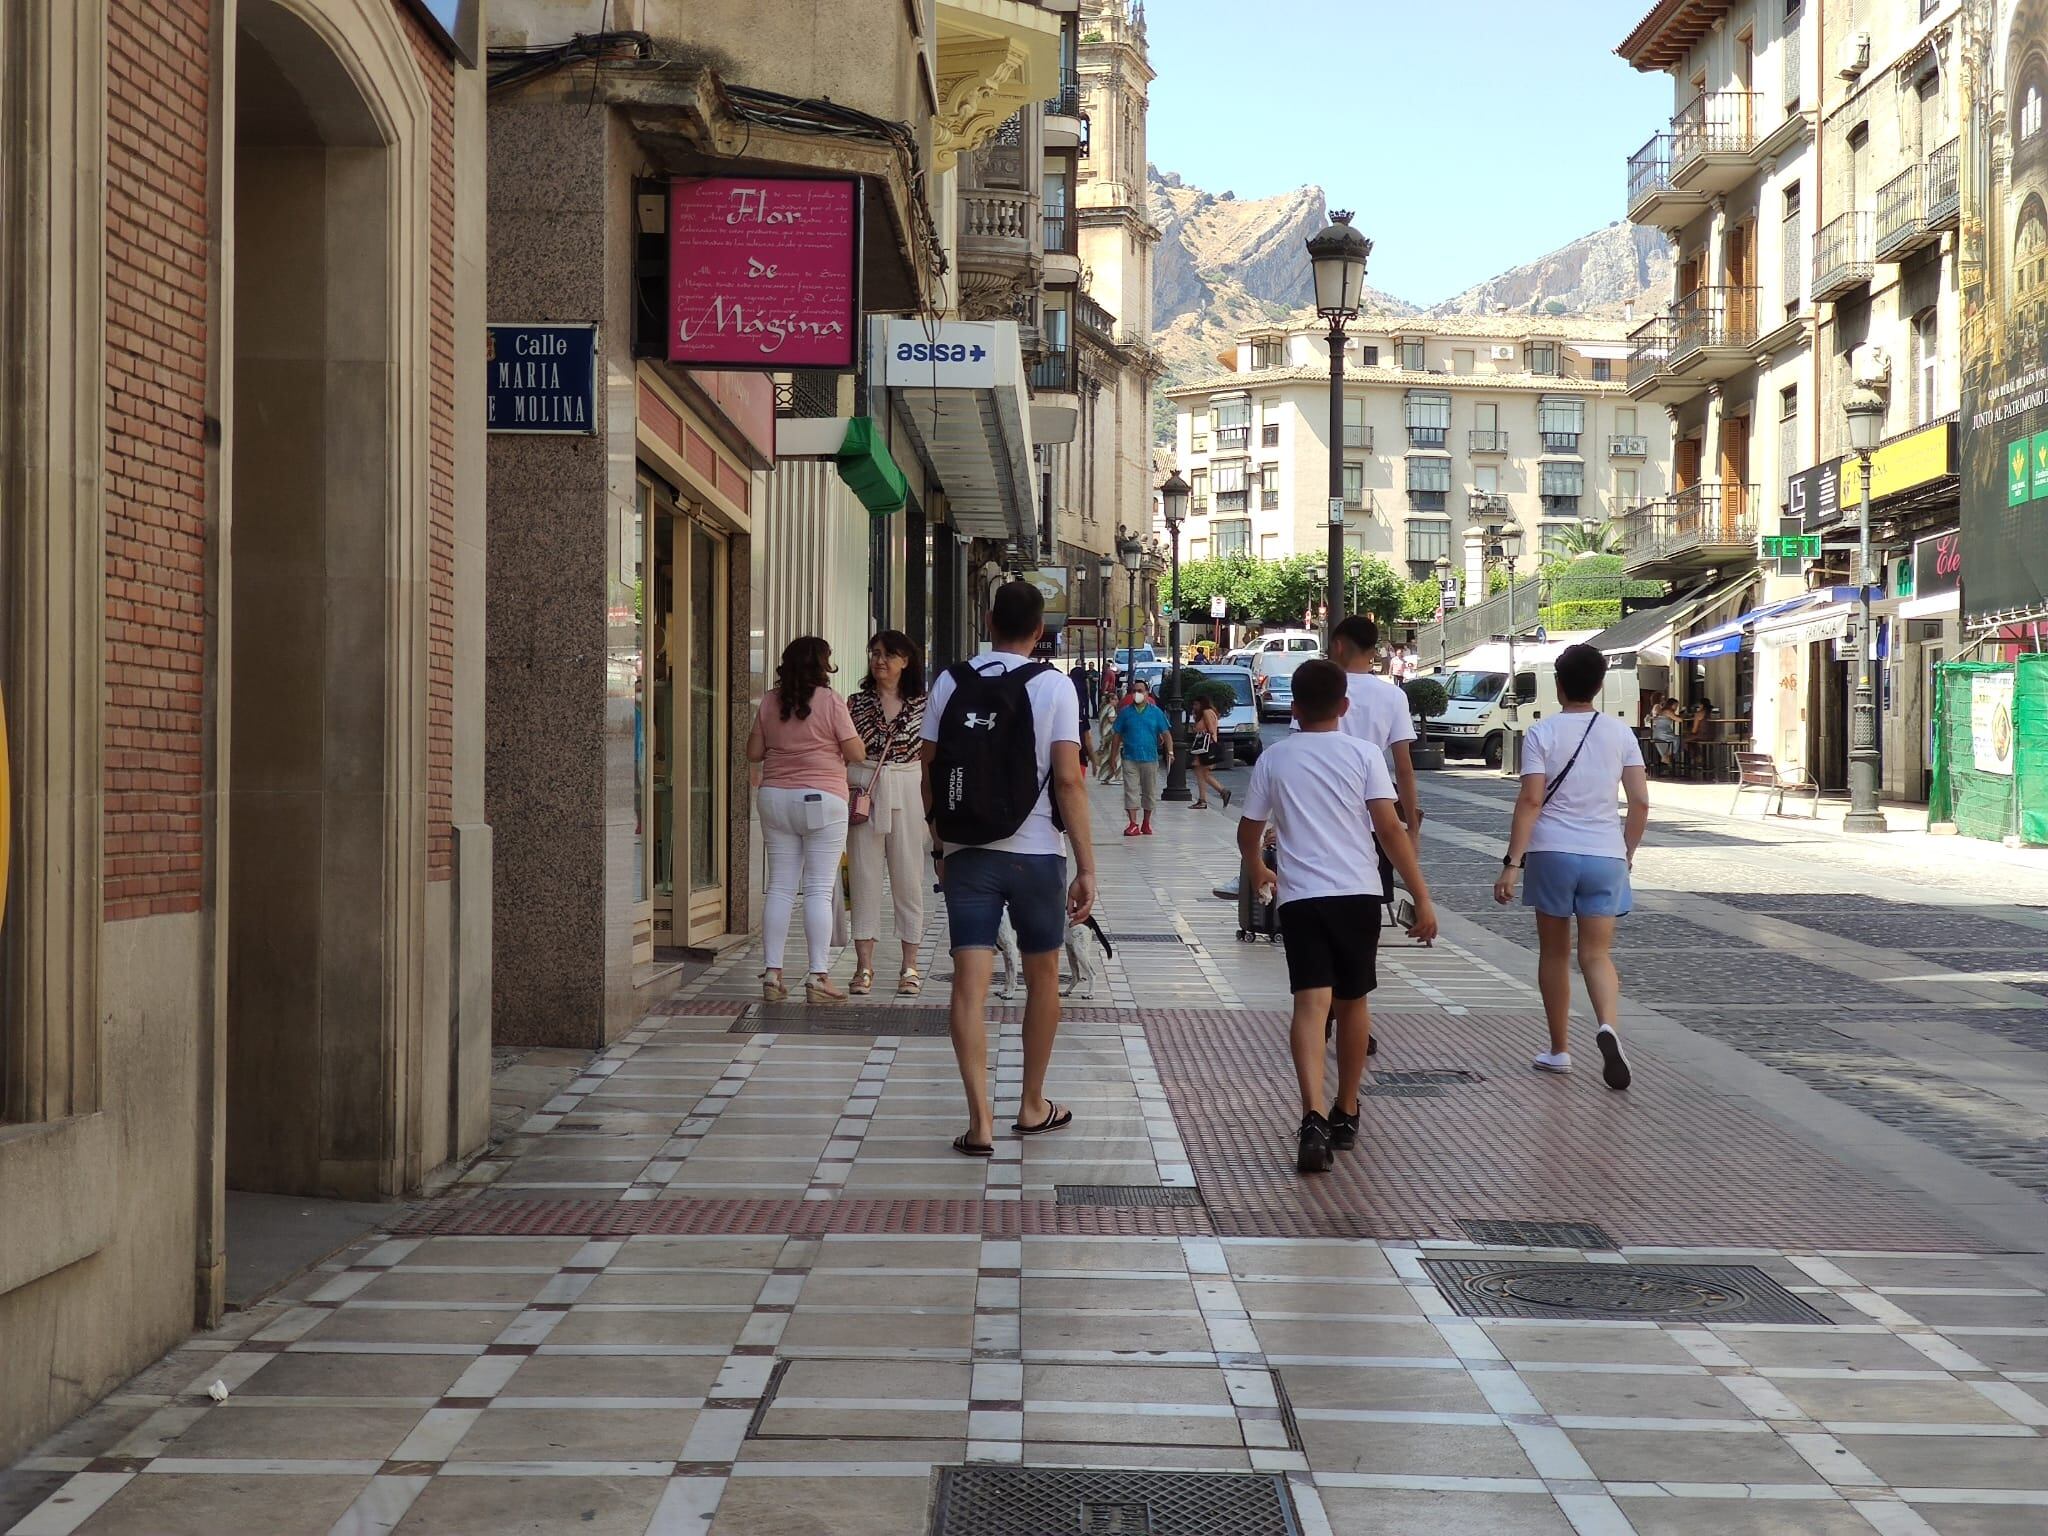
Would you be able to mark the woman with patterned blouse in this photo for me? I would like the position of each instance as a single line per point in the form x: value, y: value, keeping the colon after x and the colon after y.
x: 888, y: 712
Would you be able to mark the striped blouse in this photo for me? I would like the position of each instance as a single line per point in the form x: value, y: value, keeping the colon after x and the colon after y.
x: 888, y: 741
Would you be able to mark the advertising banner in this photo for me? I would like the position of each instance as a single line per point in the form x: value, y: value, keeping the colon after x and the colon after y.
x: 764, y: 272
x: 1051, y: 582
x: 2003, y: 173
x: 1991, y: 732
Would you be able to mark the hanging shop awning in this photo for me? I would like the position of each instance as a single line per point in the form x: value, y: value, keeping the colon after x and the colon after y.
x: 869, y: 471
x: 962, y: 388
x: 1647, y: 633
x: 1726, y: 639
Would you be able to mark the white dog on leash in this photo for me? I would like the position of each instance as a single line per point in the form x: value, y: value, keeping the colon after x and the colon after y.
x: 1088, y: 953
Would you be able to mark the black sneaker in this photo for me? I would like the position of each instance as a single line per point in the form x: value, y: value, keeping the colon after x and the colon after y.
x: 1343, y: 1129
x: 1613, y: 1065
x: 1316, y: 1156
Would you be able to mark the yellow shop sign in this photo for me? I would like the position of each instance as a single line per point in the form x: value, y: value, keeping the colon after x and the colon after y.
x: 1912, y: 460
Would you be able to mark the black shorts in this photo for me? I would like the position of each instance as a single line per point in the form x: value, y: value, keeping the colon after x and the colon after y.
x: 1332, y: 941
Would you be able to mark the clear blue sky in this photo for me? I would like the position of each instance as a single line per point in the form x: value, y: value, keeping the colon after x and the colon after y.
x: 1469, y: 135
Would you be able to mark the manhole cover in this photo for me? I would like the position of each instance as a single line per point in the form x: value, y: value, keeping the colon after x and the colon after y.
x: 1539, y: 1234
x: 1127, y: 1194
x: 1054, y: 1501
x: 1425, y: 1077
x: 1727, y: 1293
x: 845, y: 1019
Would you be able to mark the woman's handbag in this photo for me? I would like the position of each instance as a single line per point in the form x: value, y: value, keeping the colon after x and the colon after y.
x: 860, y: 802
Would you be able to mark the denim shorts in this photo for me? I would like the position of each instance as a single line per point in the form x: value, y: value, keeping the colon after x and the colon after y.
x: 980, y: 882
x: 1575, y: 885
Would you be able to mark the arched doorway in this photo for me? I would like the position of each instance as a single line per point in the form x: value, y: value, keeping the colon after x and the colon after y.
x: 315, y: 1061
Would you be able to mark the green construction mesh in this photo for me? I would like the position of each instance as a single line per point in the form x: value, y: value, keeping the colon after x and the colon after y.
x: 1981, y: 802
x: 2030, y: 748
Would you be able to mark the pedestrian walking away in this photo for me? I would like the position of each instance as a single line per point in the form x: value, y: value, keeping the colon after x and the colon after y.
x: 803, y: 739
x: 1331, y: 803
x: 888, y: 712
x: 1572, y: 854
x: 1145, y: 736
x: 1003, y: 779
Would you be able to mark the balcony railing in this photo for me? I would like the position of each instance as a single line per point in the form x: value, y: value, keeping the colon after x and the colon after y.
x: 1091, y: 316
x: 1713, y: 317
x: 1427, y: 437
x: 1843, y: 257
x: 1628, y: 446
x: 1944, y: 187
x: 1649, y: 169
x: 1269, y: 499
x: 1066, y: 101
x: 1901, y: 218
x: 1713, y: 123
x: 1233, y: 439
x: 1054, y: 371
x: 1485, y: 441
x: 1713, y: 515
x: 1644, y: 530
x: 1357, y: 436
x: 1649, y: 349
x: 996, y: 215
x: 1561, y: 442
x: 1057, y: 232
x: 1232, y: 501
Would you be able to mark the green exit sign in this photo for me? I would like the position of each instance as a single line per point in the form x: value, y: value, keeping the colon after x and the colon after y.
x: 1791, y: 546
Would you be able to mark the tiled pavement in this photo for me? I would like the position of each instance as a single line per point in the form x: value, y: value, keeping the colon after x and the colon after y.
x: 730, y: 1283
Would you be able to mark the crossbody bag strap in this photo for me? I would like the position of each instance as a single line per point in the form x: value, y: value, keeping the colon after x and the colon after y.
x: 1558, y: 782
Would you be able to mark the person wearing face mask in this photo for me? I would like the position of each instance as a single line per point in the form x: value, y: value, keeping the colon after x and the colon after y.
x: 1146, y: 737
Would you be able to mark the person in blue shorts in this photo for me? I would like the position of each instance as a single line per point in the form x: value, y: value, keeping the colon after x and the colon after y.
x: 1574, y: 853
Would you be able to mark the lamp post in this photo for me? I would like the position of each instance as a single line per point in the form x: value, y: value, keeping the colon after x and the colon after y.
x: 1173, y: 499
x: 1319, y: 577
x: 1132, y: 552
x: 1865, y: 410
x: 1502, y: 546
x: 1443, y: 603
x: 1337, y: 256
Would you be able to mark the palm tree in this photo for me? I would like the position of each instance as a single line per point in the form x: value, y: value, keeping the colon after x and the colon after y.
x: 1589, y: 539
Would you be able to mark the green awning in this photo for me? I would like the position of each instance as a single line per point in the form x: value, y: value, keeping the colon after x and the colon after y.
x: 867, y: 469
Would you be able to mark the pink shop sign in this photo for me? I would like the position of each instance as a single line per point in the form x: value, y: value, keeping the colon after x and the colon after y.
x: 764, y: 272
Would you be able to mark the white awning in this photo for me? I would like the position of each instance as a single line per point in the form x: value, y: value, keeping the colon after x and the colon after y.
x: 1807, y: 627
x: 1945, y: 605
x: 962, y: 389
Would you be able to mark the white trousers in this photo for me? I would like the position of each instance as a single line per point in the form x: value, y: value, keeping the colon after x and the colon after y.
x: 895, y: 838
x: 806, y: 832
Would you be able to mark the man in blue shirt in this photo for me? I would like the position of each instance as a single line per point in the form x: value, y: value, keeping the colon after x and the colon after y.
x: 1147, y: 736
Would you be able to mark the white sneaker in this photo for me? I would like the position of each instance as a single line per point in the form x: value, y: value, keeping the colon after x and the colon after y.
x: 1554, y: 1061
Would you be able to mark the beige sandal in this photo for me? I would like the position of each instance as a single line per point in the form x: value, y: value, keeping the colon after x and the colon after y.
x: 910, y: 983
x: 863, y: 982
x: 772, y: 989
x: 819, y: 989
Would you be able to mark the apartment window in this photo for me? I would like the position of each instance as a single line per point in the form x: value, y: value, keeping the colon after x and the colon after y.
x: 1269, y: 434
x: 1486, y: 479
x: 1232, y: 538
x: 1411, y: 356
x: 1356, y: 435
x: 1429, y: 540
x: 1561, y: 485
x: 1269, y: 546
x: 1198, y: 491
x: 1269, y: 486
x: 1556, y: 537
x: 1354, y: 485
x: 1603, y: 370
x: 1429, y: 483
x: 1429, y: 418
x: 1860, y: 187
x: 1926, y: 364
x: 1625, y: 420
x: 1461, y: 360
x: 1233, y: 423
x: 1540, y: 357
x: 1562, y: 421
x: 1370, y: 356
x: 1626, y: 484
x: 1198, y: 433
x: 1230, y: 488
x: 1269, y: 354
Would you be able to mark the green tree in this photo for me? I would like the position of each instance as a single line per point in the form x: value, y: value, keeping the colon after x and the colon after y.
x: 1419, y: 601
x: 1603, y: 539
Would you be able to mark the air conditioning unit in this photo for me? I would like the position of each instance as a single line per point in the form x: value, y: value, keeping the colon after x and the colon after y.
x: 1503, y: 354
x: 1855, y: 55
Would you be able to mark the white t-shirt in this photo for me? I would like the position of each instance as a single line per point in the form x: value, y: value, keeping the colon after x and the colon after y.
x: 1317, y: 788
x: 1378, y: 714
x: 1055, y: 716
x: 1581, y: 817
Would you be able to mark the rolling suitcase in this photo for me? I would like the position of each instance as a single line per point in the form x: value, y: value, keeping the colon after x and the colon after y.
x: 1257, y: 919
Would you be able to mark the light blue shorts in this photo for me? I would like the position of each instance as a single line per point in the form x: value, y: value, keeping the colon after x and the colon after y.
x: 1575, y: 885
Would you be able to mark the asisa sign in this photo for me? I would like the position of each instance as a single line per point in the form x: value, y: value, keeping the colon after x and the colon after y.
x: 764, y: 272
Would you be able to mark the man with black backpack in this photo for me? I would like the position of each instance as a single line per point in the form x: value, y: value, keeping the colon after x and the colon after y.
x: 1003, y: 780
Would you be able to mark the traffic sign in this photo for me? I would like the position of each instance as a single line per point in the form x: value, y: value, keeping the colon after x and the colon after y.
x: 1218, y: 605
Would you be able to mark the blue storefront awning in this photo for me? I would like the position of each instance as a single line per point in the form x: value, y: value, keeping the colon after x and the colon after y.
x: 1726, y: 639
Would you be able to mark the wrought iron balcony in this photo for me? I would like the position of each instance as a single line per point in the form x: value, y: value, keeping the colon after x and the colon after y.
x: 1944, y: 187
x: 1901, y: 220
x: 1649, y: 353
x: 1092, y: 317
x: 1232, y: 501
x: 1652, y: 199
x: 1643, y: 529
x: 1711, y: 140
x: 1710, y: 322
x: 1233, y: 439
x: 1357, y: 435
x: 1066, y: 101
x: 1484, y: 441
x: 1843, y: 255
x: 1055, y: 372
x: 1056, y: 227
x: 1628, y: 446
x: 1713, y: 523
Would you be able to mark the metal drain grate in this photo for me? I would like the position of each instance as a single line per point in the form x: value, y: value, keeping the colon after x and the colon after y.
x: 842, y: 1019
x: 1539, y: 1234
x: 1127, y: 1195
x: 1426, y: 1077
x: 1146, y: 938
x: 1055, y: 1501
x: 1724, y: 1293
x: 1403, y: 1091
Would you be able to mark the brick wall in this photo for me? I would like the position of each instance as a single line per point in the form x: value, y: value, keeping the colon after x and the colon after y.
x: 158, y: 66
x: 437, y: 71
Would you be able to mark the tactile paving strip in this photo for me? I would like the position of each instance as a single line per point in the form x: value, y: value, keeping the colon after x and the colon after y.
x: 500, y: 1217
x: 1056, y: 1501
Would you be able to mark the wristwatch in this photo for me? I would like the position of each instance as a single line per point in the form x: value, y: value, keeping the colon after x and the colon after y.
x: 1509, y: 861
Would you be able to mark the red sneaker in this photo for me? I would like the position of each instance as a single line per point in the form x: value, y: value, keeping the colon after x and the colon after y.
x: 1148, y: 826
x: 1131, y: 830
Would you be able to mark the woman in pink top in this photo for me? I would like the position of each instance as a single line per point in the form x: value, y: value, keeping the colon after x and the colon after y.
x: 803, y: 738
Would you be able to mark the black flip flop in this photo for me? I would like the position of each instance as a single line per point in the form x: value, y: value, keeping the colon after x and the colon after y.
x: 1056, y: 1119
x: 968, y: 1148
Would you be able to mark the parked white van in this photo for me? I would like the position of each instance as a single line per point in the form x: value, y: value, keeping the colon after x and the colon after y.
x: 1277, y: 652
x: 1487, y: 701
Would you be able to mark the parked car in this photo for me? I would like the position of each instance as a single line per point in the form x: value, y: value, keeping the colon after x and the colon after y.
x: 1241, y: 722
x: 1279, y: 652
x: 1241, y: 657
x: 1124, y: 656
x: 1276, y: 697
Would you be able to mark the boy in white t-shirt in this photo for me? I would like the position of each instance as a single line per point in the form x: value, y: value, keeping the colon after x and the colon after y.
x: 1331, y: 803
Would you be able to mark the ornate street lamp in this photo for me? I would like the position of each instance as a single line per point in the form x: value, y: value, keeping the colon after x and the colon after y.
x: 1173, y: 501
x: 1865, y: 410
x: 1319, y: 579
x: 1337, y: 257
x: 1131, y: 550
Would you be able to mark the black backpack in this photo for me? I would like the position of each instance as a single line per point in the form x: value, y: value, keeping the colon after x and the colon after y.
x: 984, y: 773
